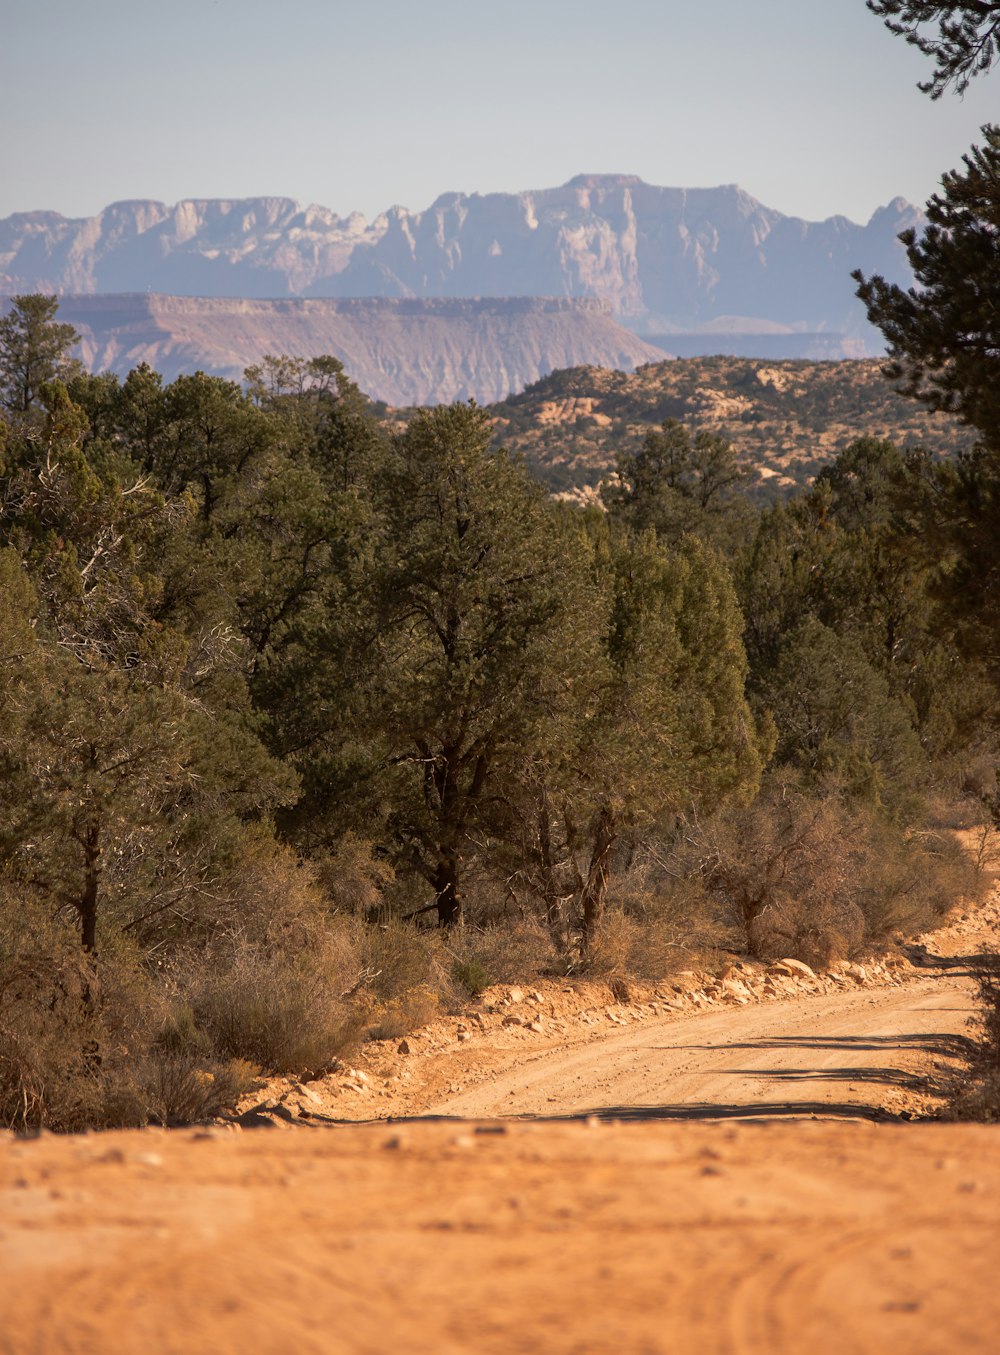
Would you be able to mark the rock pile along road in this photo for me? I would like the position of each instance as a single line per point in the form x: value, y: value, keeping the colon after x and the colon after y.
x: 733, y: 1179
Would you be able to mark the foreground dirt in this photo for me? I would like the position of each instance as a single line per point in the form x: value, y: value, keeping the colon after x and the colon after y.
x: 571, y: 1237
x: 728, y: 1174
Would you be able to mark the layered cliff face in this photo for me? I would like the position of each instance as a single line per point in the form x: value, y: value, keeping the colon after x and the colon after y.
x: 250, y: 247
x: 667, y: 261
x: 405, y: 352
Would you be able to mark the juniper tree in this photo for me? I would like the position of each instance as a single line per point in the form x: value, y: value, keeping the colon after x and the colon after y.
x: 680, y: 482
x: 659, y: 722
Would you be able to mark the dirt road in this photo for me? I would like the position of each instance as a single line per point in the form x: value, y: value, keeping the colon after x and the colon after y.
x: 723, y: 1183
x: 833, y: 1055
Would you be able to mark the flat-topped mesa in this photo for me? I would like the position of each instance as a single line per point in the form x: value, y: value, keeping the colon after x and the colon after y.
x: 404, y: 350
x: 605, y: 181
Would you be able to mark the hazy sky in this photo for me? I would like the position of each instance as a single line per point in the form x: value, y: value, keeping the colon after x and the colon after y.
x: 809, y: 105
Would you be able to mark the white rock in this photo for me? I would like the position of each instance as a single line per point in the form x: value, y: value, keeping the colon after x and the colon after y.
x: 796, y: 968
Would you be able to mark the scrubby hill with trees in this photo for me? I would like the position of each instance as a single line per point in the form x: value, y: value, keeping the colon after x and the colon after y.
x: 786, y: 420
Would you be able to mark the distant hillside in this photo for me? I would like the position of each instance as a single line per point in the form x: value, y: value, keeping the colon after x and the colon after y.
x: 787, y: 418
x: 400, y: 351
x: 712, y: 266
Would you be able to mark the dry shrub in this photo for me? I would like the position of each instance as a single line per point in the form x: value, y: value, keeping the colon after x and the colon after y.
x: 48, y: 1073
x: 259, y: 974
x: 908, y: 882
x: 403, y: 972
x: 352, y: 877
x: 276, y: 899
x: 284, y: 1013
x: 980, y: 778
x: 781, y: 868
x: 615, y: 942
x: 627, y: 946
x: 180, y: 1089
x: 811, y: 875
x: 679, y: 924
x: 399, y: 1015
x: 506, y: 952
x: 397, y: 958
x: 825, y: 932
x: 280, y: 990
x: 69, y: 1034
x: 950, y: 811
x: 977, y: 1095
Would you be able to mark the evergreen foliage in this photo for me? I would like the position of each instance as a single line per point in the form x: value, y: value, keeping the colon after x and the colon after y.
x: 966, y: 44
x: 471, y: 593
x: 34, y: 349
x: 278, y: 687
x: 942, y: 334
x: 944, y: 348
x: 678, y: 484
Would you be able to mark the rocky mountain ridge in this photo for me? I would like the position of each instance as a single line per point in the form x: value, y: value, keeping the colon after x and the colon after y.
x: 703, y: 266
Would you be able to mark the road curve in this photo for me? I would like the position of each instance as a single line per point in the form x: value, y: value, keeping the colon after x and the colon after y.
x: 860, y: 1053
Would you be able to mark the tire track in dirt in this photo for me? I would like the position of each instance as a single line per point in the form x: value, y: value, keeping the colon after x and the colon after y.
x: 569, y: 1238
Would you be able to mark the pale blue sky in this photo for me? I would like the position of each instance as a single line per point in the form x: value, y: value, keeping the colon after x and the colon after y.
x: 810, y: 105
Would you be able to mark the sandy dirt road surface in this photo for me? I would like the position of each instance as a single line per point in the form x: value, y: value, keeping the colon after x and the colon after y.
x: 872, y: 1051
x: 734, y: 1181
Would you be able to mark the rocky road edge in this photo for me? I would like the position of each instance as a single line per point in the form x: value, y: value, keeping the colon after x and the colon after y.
x: 513, y: 1024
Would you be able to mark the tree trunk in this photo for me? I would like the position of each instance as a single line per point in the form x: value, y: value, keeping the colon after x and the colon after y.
x: 449, y: 902
x: 596, y: 885
x: 87, y: 908
x: 550, y: 892
x: 87, y: 905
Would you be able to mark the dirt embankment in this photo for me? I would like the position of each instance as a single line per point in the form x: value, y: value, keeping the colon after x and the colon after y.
x: 566, y: 1048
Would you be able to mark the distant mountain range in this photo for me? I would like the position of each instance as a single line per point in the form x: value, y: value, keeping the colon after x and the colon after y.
x: 405, y: 352
x: 693, y: 270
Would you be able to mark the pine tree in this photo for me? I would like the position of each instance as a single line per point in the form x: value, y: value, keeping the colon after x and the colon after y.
x: 967, y: 42
x: 34, y: 348
x: 943, y: 334
x: 944, y: 347
x: 678, y: 483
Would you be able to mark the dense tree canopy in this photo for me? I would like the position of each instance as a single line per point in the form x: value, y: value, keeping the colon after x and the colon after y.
x: 279, y: 684
x: 681, y: 481
x: 471, y: 593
